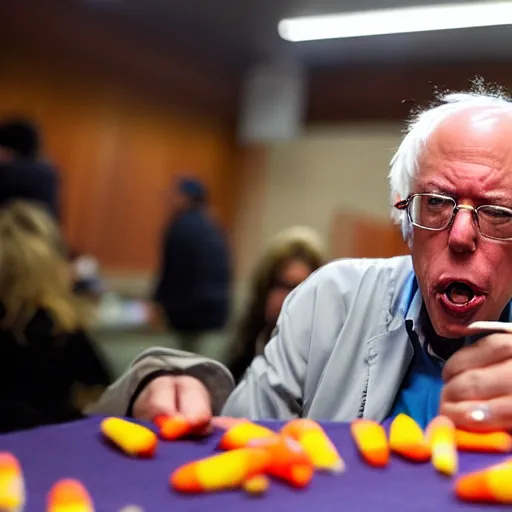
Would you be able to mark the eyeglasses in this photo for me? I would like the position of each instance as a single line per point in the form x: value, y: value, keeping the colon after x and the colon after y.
x: 436, y: 212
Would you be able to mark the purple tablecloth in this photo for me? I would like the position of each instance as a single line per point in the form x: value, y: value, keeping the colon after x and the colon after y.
x: 114, y: 480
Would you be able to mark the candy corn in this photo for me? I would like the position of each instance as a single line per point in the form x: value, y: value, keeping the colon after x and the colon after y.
x: 220, y: 472
x: 406, y: 439
x: 69, y: 496
x: 173, y: 427
x: 288, y: 461
x: 256, y: 485
x: 491, y: 485
x: 492, y: 442
x: 133, y: 439
x: 242, y: 433
x: 441, y: 437
x: 12, y: 487
x: 370, y: 438
x: 316, y: 444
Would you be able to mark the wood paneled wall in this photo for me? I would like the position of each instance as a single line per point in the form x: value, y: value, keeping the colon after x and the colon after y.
x: 389, y: 92
x: 117, y: 150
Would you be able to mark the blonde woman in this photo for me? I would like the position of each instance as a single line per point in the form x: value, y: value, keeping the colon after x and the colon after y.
x: 48, y: 364
x: 289, y: 258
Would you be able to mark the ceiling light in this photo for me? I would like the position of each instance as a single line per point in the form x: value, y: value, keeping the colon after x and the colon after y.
x: 396, y: 21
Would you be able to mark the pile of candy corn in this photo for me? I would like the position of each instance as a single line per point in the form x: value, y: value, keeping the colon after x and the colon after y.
x: 251, y: 455
x: 440, y: 444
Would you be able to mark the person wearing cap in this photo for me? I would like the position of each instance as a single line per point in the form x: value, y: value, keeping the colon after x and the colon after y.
x: 194, y: 282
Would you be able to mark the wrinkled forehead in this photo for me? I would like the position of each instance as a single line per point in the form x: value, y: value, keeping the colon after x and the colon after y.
x: 478, y: 139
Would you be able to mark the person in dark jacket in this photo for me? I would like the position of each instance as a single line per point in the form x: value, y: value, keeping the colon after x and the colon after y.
x: 194, y: 283
x: 49, y: 368
x: 23, y: 174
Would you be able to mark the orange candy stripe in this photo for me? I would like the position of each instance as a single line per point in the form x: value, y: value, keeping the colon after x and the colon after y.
x: 289, y: 461
x: 316, y: 444
x: 490, y: 485
x: 492, y: 442
x: 407, y: 439
x: 220, y: 472
x: 371, y: 440
x: 69, y: 495
x: 175, y: 427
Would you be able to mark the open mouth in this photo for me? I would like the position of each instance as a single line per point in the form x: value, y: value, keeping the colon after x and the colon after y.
x: 461, y: 298
x: 459, y: 293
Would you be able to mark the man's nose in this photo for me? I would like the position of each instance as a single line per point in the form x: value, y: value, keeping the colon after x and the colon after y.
x: 463, y: 231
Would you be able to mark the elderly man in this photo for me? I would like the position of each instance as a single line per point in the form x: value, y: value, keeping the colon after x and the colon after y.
x: 374, y: 338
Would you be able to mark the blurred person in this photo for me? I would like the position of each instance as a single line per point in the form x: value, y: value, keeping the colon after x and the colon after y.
x: 23, y: 172
x: 289, y: 258
x: 49, y: 368
x: 88, y: 281
x: 194, y: 284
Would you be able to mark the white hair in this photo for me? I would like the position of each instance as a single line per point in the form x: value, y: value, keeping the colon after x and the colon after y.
x: 404, y: 164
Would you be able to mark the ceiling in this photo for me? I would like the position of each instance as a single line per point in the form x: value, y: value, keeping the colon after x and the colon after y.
x: 232, y: 34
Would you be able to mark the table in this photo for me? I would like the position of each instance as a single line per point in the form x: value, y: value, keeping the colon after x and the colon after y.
x: 114, y: 480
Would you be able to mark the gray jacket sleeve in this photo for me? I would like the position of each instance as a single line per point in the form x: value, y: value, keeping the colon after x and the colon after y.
x: 215, y: 376
x: 273, y: 385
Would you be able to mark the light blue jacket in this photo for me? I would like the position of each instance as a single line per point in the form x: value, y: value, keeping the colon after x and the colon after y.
x: 340, y: 351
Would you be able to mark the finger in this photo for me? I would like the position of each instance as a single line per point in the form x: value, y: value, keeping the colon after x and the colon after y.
x: 163, y: 398
x: 193, y: 401
x: 487, y: 326
x: 480, y: 383
x: 159, y: 397
x: 487, y: 351
x: 498, y: 414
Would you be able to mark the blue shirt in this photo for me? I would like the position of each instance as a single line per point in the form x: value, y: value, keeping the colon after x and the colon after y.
x: 420, y: 393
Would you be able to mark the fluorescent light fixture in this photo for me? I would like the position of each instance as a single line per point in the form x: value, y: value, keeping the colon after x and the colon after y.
x: 396, y: 21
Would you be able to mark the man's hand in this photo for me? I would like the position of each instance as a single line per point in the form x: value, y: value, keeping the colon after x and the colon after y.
x: 477, y: 394
x: 172, y: 395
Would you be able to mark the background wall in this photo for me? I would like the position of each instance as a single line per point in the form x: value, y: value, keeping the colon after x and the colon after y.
x: 333, y: 179
x: 329, y: 168
x: 117, y: 149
